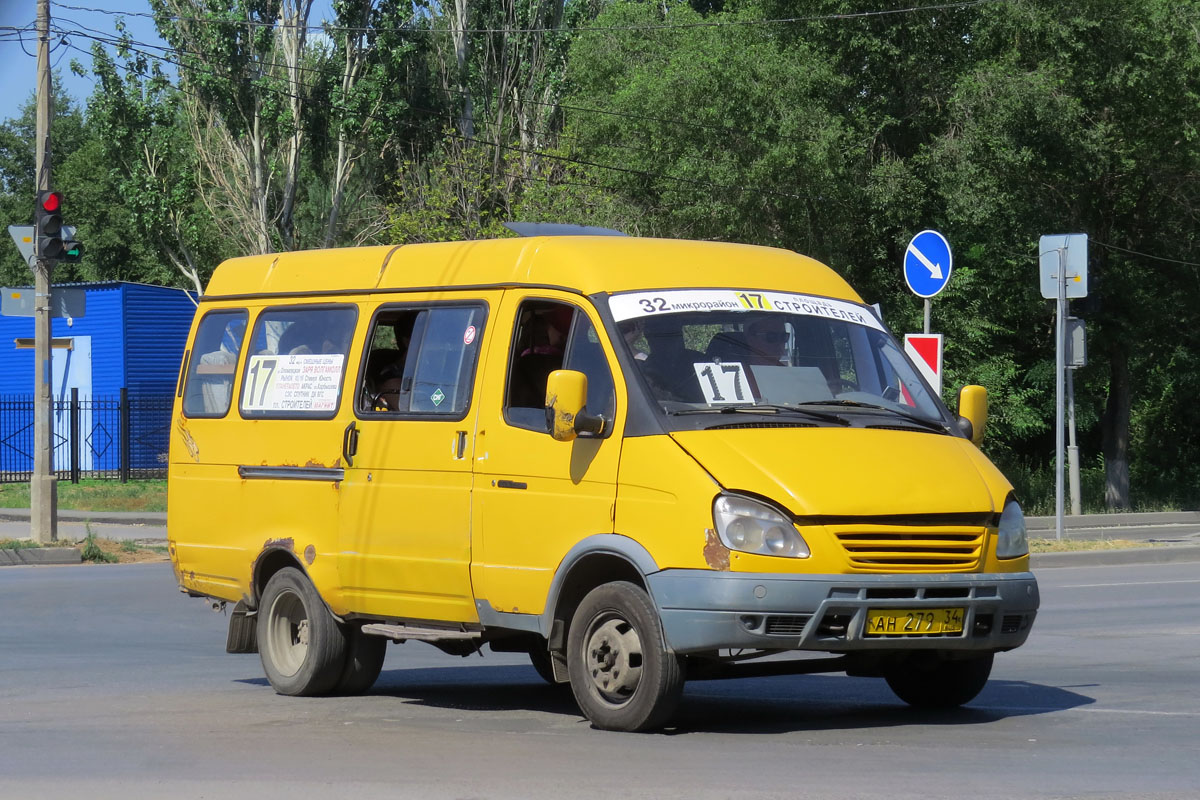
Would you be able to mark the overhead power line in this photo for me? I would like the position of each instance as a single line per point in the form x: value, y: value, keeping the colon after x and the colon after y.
x: 136, y: 47
x: 413, y: 142
x: 1144, y: 255
x: 104, y: 38
x: 334, y: 72
x: 690, y: 182
x: 725, y: 23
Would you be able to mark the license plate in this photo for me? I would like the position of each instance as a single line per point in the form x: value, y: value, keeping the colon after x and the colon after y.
x: 914, y: 621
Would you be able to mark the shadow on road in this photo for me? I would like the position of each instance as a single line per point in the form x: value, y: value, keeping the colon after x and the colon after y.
x: 745, y: 705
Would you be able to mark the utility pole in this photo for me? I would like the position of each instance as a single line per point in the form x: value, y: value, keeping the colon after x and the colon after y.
x: 43, y: 488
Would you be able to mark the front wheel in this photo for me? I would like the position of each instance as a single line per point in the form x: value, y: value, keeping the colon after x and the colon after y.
x: 302, y: 647
x: 622, y: 676
x: 939, y: 682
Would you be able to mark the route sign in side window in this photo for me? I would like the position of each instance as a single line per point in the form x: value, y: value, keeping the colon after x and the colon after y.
x: 208, y: 390
x: 297, y: 362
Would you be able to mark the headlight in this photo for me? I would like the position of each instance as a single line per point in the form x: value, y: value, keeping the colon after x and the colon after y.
x: 1011, y: 541
x: 753, y: 527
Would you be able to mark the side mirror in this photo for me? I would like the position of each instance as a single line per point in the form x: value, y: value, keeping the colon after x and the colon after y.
x: 973, y: 411
x: 566, y: 398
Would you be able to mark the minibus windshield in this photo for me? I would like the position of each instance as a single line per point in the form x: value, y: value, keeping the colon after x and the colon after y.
x: 724, y: 351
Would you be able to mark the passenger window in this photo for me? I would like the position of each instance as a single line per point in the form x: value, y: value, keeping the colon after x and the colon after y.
x: 552, y: 336
x: 209, y: 387
x: 297, y: 362
x: 422, y: 361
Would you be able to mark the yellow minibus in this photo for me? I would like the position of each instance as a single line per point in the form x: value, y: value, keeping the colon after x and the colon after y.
x: 636, y: 460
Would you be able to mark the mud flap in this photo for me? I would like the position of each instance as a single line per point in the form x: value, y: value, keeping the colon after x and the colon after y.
x: 243, y: 626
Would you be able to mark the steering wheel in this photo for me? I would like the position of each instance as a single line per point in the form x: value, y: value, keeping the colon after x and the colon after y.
x: 839, y: 385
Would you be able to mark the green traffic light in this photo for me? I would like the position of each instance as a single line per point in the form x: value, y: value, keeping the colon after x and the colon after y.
x: 72, y: 253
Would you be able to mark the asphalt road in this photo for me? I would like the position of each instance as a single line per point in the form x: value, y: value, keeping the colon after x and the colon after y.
x: 113, y: 685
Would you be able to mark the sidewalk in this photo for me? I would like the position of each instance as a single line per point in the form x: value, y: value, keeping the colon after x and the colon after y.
x: 1177, y: 532
x: 73, y: 526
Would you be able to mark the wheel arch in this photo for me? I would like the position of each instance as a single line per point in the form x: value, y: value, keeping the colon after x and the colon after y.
x: 272, y: 559
x: 593, y: 562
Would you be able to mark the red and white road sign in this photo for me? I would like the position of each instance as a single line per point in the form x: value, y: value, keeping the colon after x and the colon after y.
x: 925, y: 349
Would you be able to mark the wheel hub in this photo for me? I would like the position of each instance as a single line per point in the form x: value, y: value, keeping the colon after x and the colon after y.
x: 614, y: 659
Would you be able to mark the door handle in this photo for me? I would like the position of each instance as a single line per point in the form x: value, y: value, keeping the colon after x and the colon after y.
x: 460, y: 445
x: 349, y: 444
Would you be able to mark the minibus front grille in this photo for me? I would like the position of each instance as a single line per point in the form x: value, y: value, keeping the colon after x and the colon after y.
x: 893, y: 549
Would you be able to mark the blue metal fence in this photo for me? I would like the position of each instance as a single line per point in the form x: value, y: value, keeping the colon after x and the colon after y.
x: 115, y: 437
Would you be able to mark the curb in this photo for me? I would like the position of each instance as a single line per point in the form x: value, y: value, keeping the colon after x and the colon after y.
x: 40, y: 555
x: 152, y: 518
x: 1167, y: 554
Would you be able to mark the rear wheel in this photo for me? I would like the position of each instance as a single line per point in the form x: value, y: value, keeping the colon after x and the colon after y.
x: 622, y: 676
x: 364, y: 660
x: 539, y: 657
x: 302, y: 647
x: 939, y: 682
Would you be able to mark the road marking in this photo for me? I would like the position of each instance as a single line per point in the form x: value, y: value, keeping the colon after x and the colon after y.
x: 1128, y: 583
x: 1059, y: 709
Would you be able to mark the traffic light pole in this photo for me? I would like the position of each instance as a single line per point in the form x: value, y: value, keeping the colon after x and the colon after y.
x: 43, y: 488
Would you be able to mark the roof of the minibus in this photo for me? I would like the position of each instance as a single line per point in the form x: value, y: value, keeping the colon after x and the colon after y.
x: 587, y: 264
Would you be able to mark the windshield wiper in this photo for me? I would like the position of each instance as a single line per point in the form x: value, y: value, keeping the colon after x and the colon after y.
x: 765, y: 408
x: 924, y: 422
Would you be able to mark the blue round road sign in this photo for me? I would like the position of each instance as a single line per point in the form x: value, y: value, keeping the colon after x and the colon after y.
x: 927, y: 263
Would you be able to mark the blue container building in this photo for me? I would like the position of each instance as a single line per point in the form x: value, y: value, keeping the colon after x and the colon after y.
x: 131, y: 336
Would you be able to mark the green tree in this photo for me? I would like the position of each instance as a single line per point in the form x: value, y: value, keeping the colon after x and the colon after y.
x: 18, y: 183
x: 714, y: 132
x: 146, y: 153
x: 1084, y: 119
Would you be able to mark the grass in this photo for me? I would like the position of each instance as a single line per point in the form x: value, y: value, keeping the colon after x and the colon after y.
x: 99, y: 550
x: 17, y: 544
x: 94, y: 496
x: 92, y: 551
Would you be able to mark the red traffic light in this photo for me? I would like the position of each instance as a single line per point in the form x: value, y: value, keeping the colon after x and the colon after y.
x: 50, y: 201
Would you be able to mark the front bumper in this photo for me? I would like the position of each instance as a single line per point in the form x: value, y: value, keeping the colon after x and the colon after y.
x: 703, y: 611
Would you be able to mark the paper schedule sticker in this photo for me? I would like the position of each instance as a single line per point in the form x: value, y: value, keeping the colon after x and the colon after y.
x: 292, y: 382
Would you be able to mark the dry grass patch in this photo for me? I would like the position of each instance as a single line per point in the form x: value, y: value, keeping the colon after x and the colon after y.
x: 124, y: 551
x: 98, y: 550
x: 1078, y: 545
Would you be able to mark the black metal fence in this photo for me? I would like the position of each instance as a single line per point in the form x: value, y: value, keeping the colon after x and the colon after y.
x: 114, y: 437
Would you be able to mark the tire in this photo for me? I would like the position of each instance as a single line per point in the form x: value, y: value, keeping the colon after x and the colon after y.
x: 622, y: 676
x: 540, y: 659
x: 303, y: 648
x: 939, y: 682
x: 364, y: 660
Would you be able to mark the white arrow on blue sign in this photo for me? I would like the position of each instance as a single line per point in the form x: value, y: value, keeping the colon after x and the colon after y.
x: 927, y: 263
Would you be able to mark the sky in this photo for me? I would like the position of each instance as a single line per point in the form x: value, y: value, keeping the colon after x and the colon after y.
x: 18, y: 50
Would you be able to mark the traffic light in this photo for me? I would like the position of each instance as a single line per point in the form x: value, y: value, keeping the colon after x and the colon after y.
x: 48, y: 224
x: 72, y: 252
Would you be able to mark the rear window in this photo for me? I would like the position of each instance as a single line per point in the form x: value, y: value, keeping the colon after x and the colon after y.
x: 209, y: 384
